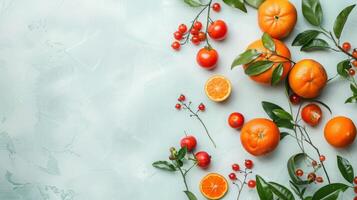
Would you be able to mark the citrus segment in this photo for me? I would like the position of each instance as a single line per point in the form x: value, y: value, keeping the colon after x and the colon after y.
x: 218, y: 88
x: 213, y: 186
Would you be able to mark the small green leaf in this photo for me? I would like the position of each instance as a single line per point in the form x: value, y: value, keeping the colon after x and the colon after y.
x: 341, y: 20
x: 282, y: 114
x: 268, y: 42
x: 292, y: 162
x: 352, y: 99
x: 345, y: 168
x: 245, y: 58
x: 190, y: 195
x: 283, y: 135
x: 164, y: 165
x: 181, y: 153
x: 342, y: 68
x: 254, y: 3
x: 263, y: 189
x: 330, y: 192
x: 179, y: 163
x: 315, y: 44
x: 236, y: 4
x: 284, y: 123
x: 281, y: 192
x: 269, y: 107
x: 258, y: 67
x: 193, y: 3
x: 305, y: 37
x: 353, y: 88
x: 312, y: 11
x: 277, y: 74
x: 308, y: 198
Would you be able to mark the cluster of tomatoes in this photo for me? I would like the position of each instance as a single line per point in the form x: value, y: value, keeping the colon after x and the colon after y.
x: 207, y: 57
x: 202, y: 158
x: 346, y: 46
x: 312, y: 175
x: 236, y: 169
x: 182, y: 98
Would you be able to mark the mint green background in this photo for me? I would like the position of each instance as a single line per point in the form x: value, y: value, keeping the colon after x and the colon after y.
x: 88, y: 89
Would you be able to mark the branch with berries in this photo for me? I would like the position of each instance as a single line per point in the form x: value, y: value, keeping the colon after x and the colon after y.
x: 239, y: 181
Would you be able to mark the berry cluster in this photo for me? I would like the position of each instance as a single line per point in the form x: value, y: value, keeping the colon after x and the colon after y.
x: 346, y: 46
x: 312, y: 177
x: 201, y: 107
x: 240, y: 182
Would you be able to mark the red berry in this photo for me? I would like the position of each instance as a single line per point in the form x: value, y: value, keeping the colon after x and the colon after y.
x: 294, y: 99
x: 197, y: 25
x: 176, y: 45
x: 251, y: 183
x: 355, y: 198
x: 322, y: 158
x: 232, y: 176
x: 355, y: 180
x: 235, y: 167
x: 189, y: 142
x: 299, y: 172
x: 203, y: 159
x: 201, y: 107
x: 178, y: 35
x: 178, y: 106
x: 319, y: 179
x: 202, y: 36
x: 248, y: 164
x: 181, y: 98
x: 355, y: 189
x: 216, y: 7
x: 346, y: 46
x: 352, y: 72
x: 195, y: 40
x: 311, y: 176
x: 182, y: 28
x: 194, y: 31
x: 354, y: 63
x: 314, y: 163
x: 354, y: 53
x: 236, y: 120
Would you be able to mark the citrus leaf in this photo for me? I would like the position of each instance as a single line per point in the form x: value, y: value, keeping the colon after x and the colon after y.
x: 282, y: 114
x: 269, y: 107
x: 190, y: 195
x: 277, y: 74
x: 268, y: 42
x: 236, y: 4
x: 281, y: 192
x: 164, y: 165
x: 341, y: 20
x: 284, y: 123
x: 315, y: 44
x: 193, y: 3
x: 258, y: 67
x: 353, y: 88
x: 246, y: 57
x: 305, y: 37
x: 283, y: 135
x: 292, y: 162
x: 254, y: 3
x: 312, y: 11
x: 342, y: 68
x: 330, y: 191
x: 345, y: 168
x: 263, y: 189
x: 181, y: 153
x: 295, y: 188
x: 352, y: 99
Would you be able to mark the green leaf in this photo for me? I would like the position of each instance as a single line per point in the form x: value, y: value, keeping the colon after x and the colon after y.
x: 323, y: 104
x: 292, y: 162
x: 295, y: 188
x: 308, y: 198
x: 330, y: 192
x: 345, y: 168
x: 193, y: 3
x: 281, y: 192
x: 277, y: 73
x: 263, y: 189
x: 305, y: 37
x: 258, y: 67
x: 283, y: 135
x: 268, y: 42
x: 353, y: 88
x: 190, y: 195
x: 312, y: 11
x: 269, y: 107
x: 254, y: 3
x: 341, y: 20
x: 315, y: 44
x: 342, y: 68
x: 181, y: 153
x: 236, y: 4
x: 284, y: 123
x: 245, y: 58
x: 352, y: 99
x: 282, y: 114
x: 164, y: 165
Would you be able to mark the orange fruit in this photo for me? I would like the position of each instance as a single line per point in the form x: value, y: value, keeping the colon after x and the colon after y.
x: 218, y: 88
x: 260, y: 136
x: 281, y: 49
x: 307, y: 78
x: 340, y: 132
x: 277, y: 18
x: 213, y: 186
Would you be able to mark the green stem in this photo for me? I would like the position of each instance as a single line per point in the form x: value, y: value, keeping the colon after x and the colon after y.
x: 183, y: 177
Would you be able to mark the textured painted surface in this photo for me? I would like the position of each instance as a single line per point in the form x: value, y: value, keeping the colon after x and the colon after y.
x: 88, y: 89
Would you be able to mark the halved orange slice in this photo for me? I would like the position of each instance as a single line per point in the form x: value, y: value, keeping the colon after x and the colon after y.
x: 213, y: 186
x: 218, y: 88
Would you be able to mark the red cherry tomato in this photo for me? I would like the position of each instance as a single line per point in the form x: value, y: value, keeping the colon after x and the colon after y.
x: 216, y: 7
x: 311, y: 114
x: 346, y: 46
x: 248, y: 164
x: 189, y: 142
x: 178, y: 35
x: 207, y: 58
x: 195, y: 40
x: 218, y: 30
x: 176, y: 45
x: 194, y: 31
x: 182, y: 28
x: 197, y: 25
x: 251, y: 184
x: 236, y: 120
x: 202, y: 36
x: 203, y: 159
